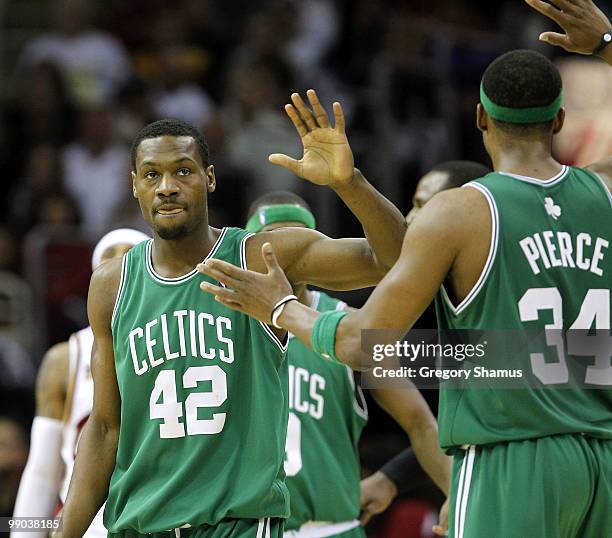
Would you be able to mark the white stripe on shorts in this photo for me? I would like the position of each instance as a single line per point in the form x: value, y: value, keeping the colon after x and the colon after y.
x: 463, y: 491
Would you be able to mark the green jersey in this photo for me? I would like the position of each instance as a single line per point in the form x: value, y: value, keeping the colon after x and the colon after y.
x: 549, y: 267
x: 326, y: 416
x: 203, y: 404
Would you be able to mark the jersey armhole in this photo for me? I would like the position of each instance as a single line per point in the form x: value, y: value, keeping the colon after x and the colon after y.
x: 469, y: 298
x: 124, y: 270
x: 266, y: 329
x: 604, y: 186
x: 359, y: 402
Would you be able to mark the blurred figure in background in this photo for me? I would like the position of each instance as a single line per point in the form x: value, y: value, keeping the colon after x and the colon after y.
x: 64, y: 398
x: 96, y: 170
x: 94, y: 62
x: 13, y: 455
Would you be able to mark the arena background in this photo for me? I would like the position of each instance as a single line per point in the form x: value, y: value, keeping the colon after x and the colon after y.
x: 80, y: 78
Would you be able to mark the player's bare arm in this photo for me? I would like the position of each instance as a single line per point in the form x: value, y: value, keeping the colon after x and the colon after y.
x: 95, y: 460
x: 450, y: 236
x: 585, y: 26
x: 52, y: 382
x: 411, y: 412
x: 328, y: 161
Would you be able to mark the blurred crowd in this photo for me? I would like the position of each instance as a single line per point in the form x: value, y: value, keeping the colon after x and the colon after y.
x: 75, y: 95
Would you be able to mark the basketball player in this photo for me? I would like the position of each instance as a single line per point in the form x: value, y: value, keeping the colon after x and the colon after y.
x: 327, y: 411
x: 64, y: 396
x: 190, y: 413
x: 399, y: 474
x: 524, y: 247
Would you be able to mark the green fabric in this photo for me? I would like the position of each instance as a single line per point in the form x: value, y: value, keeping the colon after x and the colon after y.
x: 326, y: 417
x: 280, y: 213
x: 203, y: 403
x: 512, y: 296
x: 227, y: 528
x: 521, y: 115
x: 557, y: 486
x: 324, y: 335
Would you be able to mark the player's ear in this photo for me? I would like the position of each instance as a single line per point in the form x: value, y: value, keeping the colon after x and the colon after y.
x: 133, y: 174
x: 481, y: 118
x: 559, y: 121
x: 211, y: 180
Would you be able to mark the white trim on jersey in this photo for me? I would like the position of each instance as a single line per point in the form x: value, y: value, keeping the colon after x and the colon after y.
x: 603, y: 184
x: 321, y: 529
x: 243, y: 265
x: 557, y: 178
x: 456, y: 310
x: 463, y: 491
x: 359, y: 402
x: 179, y: 279
x: 121, y: 287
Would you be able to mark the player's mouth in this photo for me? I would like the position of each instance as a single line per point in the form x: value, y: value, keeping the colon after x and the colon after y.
x: 169, y: 209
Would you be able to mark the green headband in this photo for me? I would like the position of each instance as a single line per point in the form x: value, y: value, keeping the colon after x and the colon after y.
x: 537, y: 114
x: 280, y: 213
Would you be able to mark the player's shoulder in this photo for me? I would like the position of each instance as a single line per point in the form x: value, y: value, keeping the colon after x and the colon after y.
x: 103, y: 289
x: 457, y: 206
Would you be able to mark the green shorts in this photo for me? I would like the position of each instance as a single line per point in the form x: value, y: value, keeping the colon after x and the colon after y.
x: 227, y: 528
x: 558, y: 486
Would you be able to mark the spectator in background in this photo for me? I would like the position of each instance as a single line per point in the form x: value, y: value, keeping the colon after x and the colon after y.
x: 93, y: 62
x: 174, y: 68
x: 96, y: 171
x: 13, y: 456
x: 257, y: 126
x: 134, y: 110
x: 43, y: 113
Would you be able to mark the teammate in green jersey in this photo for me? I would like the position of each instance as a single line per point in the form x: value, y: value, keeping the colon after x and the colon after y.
x: 524, y: 247
x: 189, y: 418
x: 327, y: 410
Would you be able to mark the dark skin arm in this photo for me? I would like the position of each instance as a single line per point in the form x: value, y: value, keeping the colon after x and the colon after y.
x: 95, y: 459
x: 52, y: 382
x: 604, y: 169
x: 449, y: 240
x: 309, y: 256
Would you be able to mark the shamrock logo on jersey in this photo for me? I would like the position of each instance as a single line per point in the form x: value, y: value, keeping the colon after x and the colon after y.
x: 553, y: 210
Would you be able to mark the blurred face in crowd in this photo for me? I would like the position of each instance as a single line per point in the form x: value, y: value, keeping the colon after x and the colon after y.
x: 429, y: 185
x: 172, y: 184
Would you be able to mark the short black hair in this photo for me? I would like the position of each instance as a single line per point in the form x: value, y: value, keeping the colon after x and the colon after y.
x: 275, y: 198
x: 170, y: 127
x: 460, y: 172
x: 522, y: 79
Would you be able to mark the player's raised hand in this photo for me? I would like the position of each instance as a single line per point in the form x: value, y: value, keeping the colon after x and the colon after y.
x: 584, y: 24
x: 249, y: 292
x: 377, y: 493
x: 327, y: 159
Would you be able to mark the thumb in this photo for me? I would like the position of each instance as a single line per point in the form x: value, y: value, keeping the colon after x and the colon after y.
x: 286, y: 162
x: 366, y: 515
x: 267, y: 253
x: 556, y: 39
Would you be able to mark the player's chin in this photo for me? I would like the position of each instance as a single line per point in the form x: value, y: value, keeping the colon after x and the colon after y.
x: 170, y: 230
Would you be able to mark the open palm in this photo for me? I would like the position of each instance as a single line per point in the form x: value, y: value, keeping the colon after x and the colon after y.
x: 327, y: 159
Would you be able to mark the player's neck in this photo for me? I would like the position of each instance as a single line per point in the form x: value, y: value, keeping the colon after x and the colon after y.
x: 173, y: 258
x: 530, y: 158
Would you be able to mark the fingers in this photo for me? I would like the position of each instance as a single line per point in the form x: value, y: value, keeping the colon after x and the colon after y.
x: 222, y: 271
x: 286, y: 162
x: 222, y: 295
x: 439, y: 531
x: 296, y: 120
x: 267, y: 252
x: 365, y: 515
x: 556, y: 39
x: 548, y: 10
x: 317, y: 108
x: 304, y: 111
x: 339, y: 118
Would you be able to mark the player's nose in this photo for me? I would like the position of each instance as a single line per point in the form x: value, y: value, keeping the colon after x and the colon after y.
x: 167, y: 186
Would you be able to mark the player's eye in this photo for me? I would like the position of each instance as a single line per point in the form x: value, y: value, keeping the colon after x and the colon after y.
x: 150, y: 175
x: 183, y: 171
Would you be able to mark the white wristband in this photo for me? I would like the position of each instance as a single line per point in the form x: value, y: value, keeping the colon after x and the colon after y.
x: 279, y: 307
